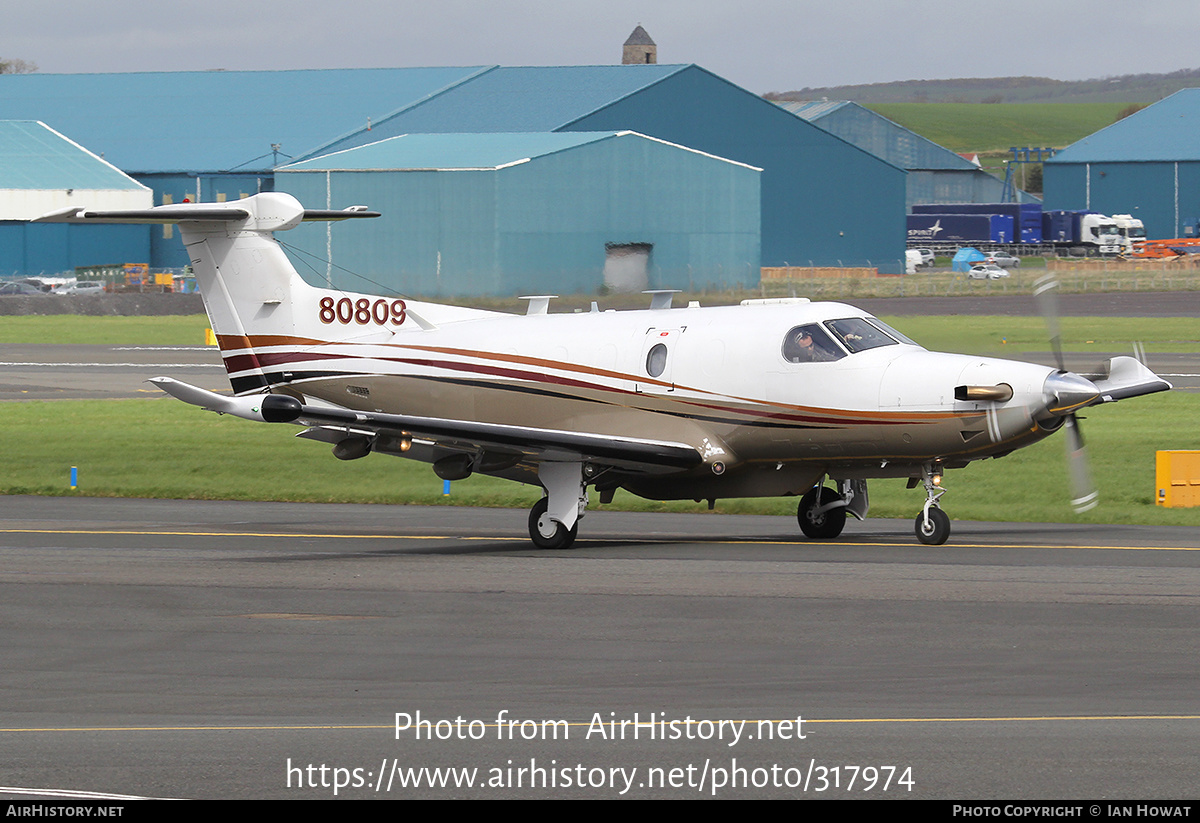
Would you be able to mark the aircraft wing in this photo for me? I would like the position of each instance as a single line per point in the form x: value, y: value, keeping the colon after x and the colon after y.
x: 551, y: 444
x: 1124, y: 377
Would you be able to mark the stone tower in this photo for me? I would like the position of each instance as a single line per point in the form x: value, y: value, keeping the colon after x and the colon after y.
x: 639, y: 48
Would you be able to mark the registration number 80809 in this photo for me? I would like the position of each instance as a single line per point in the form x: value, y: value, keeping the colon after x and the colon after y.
x: 362, y: 311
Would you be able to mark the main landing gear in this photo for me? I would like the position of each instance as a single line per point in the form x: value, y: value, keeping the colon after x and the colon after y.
x: 546, y: 532
x: 822, y: 510
x: 554, y: 520
x: 822, y: 513
x: 932, y: 524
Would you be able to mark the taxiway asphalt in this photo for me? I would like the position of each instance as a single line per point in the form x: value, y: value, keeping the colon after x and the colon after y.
x: 210, y: 649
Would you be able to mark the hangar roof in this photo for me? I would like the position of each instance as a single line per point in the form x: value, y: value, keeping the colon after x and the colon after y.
x: 459, y: 152
x: 35, y: 156
x: 408, y: 152
x: 523, y: 99
x: 1166, y: 131
x: 216, y: 120
x: 875, y: 133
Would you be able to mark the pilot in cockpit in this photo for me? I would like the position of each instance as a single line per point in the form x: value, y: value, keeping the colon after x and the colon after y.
x: 802, y: 347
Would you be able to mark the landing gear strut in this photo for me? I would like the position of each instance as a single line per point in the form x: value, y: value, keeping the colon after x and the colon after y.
x: 554, y: 520
x: 932, y: 524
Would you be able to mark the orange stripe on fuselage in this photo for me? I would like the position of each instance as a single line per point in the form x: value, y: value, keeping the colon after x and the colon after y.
x: 242, y: 342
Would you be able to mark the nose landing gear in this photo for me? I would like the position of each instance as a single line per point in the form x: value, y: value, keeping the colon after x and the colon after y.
x: 932, y: 524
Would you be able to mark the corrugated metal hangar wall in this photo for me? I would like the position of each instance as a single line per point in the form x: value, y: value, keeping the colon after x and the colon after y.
x: 42, y: 171
x: 935, y: 174
x: 530, y: 213
x: 823, y: 201
x: 1147, y: 165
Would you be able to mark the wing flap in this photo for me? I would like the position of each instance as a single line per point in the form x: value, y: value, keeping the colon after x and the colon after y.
x: 550, y: 444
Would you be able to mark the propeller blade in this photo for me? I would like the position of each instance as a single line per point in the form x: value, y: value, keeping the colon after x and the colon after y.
x: 1045, y: 293
x: 1083, y: 491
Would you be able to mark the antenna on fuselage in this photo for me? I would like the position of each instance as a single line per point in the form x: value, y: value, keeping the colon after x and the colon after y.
x: 660, y: 298
x: 538, y: 303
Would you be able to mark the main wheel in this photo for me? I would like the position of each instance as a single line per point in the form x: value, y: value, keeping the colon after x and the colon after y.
x: 547, y: 533
x: 937, y: 530
x: 824, y: 525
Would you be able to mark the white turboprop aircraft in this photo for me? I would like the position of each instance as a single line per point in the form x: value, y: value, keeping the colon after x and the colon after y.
x: 764, y: 399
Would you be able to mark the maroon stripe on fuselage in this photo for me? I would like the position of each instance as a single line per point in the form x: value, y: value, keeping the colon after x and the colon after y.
x: 257, y: 361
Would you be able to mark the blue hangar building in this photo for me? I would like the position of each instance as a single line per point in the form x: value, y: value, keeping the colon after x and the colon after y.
x: 935, y: 174
x: 222, y: 135
x: 504, y: 213
x: 1147, y: 165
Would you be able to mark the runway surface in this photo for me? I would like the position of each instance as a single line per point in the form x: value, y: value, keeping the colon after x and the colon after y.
x: 209, y: 649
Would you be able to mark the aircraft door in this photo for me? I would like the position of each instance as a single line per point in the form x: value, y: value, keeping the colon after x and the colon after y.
x: 658, y: 360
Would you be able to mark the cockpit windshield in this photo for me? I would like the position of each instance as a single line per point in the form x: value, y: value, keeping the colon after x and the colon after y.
x: 828, y: 341
x: 890, y: 332
x: 858, y: 335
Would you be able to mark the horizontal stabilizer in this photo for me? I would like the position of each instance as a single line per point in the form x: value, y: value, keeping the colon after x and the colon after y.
x: 262, y: 408
x: 159, y: 214
x: 269, y: 211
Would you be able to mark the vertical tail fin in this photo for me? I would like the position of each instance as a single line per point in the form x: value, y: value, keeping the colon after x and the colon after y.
x: 250, y: 289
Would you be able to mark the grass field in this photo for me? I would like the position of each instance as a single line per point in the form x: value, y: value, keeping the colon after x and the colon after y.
x: 163, y: 448
x: 994, y: 127
x: 168, y: 330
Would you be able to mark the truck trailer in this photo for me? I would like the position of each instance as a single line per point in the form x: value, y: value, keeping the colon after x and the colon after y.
x: 1071, y: 231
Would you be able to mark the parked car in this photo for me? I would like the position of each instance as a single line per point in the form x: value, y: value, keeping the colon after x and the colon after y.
x: 10, y: 289
x: 82, y: 287
x: 926, y: 256
x: 987, y: 271
x: 1005, y: 261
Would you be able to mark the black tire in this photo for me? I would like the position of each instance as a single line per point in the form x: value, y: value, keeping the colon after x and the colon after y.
x: 562, y: 537
x: 938, y: 530
x: 827, y: 525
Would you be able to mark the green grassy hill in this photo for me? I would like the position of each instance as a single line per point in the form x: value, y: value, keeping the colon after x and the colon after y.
x: 1136, y: 88
x: 994, y: 127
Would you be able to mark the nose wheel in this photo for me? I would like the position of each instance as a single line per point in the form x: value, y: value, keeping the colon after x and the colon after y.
x: 546, y: 532
x: 933, y: 526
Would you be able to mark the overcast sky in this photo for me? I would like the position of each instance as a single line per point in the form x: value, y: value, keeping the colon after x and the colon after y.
x: 763, y: 45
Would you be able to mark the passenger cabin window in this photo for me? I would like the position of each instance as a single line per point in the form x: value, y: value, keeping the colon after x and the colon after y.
x: 810, y: 344
x: 856, y: 334
x: 656, y: 360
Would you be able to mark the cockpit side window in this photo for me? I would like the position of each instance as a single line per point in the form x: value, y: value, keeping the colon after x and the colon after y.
x: 810, y: 344
x: 858, y: 335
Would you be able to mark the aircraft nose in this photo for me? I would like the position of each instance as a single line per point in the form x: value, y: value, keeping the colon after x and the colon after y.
x: 1066, y: 391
